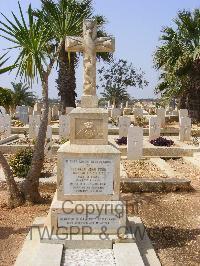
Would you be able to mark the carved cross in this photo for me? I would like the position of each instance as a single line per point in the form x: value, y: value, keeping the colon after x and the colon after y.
x: 89, y: 45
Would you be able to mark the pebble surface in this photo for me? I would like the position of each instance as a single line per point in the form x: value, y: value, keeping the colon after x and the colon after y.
x: 88, y: 257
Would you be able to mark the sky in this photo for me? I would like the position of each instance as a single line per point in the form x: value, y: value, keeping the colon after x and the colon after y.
x: 136, y: 26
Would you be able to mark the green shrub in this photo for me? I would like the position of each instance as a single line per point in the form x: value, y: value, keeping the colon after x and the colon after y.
x: 21, y: 162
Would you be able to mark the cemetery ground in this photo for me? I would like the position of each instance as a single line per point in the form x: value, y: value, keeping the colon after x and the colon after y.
x: 171, y: 219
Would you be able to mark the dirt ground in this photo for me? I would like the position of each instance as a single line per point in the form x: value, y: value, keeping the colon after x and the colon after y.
x: 14, y: 224
x: 172, y: 221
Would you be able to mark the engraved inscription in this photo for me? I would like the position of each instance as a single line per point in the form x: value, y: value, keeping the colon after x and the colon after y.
x: 88, y: 177
x: 89, y: 128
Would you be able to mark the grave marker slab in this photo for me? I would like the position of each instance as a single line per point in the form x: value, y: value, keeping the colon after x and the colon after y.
x: 154, y: 128
x: 135, y: 143
x: 124, y: 123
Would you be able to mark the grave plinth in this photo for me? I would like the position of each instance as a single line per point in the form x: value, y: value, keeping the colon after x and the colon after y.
x: 89, y: 126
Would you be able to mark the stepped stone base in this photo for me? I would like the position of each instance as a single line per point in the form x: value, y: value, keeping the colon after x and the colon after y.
x: 88, y: 217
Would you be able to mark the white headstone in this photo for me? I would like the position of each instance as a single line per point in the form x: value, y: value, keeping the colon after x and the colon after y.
x: 2, y: 110
x: 37, y: 109
x: 185, y: 129
x: 154, y: 128
x: 23, y: 114
x: 124, y: 123
x: 135, y: 143
x: 5, y: 126
x: 161, y: 116
x: 183, y: 113
x: 34, y: 123
x: 64, y: 127
x: 115, y: 112
x: 55, y: 112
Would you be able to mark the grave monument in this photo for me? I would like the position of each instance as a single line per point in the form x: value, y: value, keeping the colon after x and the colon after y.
x: 88, y: 171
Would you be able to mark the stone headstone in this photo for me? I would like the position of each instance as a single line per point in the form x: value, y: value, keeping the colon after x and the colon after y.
x: 30, y: 110
x: 185, y: 129
x: 161, y: 116
x: 183, y: 113
x: 64, y: 127
x: 37, y: 109
x: 5, y: 126
x: 135, y: 143
x: 55, y: 112
x: 23, y: 114
x: 115, y: 113
x: 124, y: 123
x: 34, y: 123
x: 2, y: 110
x: 154, y: 128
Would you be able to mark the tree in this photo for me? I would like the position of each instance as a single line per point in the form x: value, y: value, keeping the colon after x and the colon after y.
x: 178, y: 60
x: 6, y: 99
x: 116, y: 78
x: 22, y: 94
x: 35, y: 59
x: 57, y: 16
x: 15, y: 197
x: 3, y: 60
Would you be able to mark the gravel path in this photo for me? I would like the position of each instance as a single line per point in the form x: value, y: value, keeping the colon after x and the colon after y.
x: 88, y: 257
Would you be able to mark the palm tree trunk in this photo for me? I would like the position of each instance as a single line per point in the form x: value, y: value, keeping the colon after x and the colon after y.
x: 15, y: 197
x: 31, y: 185
x: 66, y: 79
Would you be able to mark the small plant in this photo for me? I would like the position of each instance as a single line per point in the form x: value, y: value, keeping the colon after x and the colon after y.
x: 121, y: 141
x: 162, y: 142
x: 140, y: 121
x: 21, y: 162
x: 17, y: 123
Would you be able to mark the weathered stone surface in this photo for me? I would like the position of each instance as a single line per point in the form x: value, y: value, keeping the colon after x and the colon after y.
x: 154, y: 128
x: 124, y: 123
x: 135, y: 143
x: 90, y: 153
x: 185, y: 129
x: 89, y: 126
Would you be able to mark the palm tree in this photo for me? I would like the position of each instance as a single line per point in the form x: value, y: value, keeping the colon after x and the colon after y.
x: 6, y: 99
x: 178, y: 59
x: 58, y: 17
x: 34, y: 59
x: 3, y: 60
x: 22, y: 95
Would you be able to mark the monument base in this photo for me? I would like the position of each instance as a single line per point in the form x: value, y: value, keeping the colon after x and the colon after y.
x: 88, y: 217
x: 89, y: 101
x: 88, y: 172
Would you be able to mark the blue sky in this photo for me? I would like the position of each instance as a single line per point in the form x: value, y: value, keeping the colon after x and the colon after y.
x: 136, y: 26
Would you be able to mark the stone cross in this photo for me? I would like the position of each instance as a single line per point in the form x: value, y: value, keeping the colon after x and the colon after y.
x: 89, y: 45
